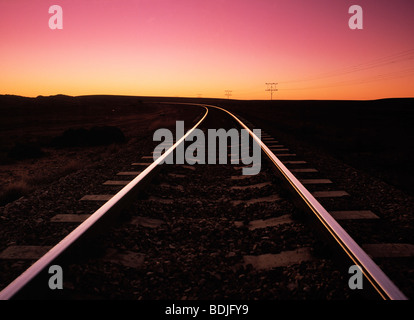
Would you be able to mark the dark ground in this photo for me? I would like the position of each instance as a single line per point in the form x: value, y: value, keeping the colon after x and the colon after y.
x: 46, y: 138
x: 373, y: 136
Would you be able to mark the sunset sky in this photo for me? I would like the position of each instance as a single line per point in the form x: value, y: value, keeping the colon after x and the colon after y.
x: 204, y: 47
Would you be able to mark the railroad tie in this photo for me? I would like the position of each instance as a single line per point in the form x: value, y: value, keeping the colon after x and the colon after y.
x: 128, y: 173
x: 295, y: 162
x: 146, y: 222
x: 240, y: 168
x: 272, y: 222
x: 174, y: 187
x: 161, y: 200
x: 286, y: 155
x: 389, y: 250
x: 70, y: 218
x: 97, y: 197
x: 353, y: 215
x: 259, y: 186
x: 278, y: 150
x: 330, y: 194
x: 241, y: 177
x: 283, y: 259
x: 24, y: 252
x: 316, y: 181
x: 272, y: 198
x: 303, y: 170
x: 175, y: 175
x: 116, y: 182
x: 188, y: 167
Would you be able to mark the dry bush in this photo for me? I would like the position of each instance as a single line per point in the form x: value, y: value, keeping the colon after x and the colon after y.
x: 27, y: 184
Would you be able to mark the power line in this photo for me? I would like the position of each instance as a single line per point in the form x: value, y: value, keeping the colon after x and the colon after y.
x: 271, y: 86
x: 228, y: 93
x: 379, y: 62
x: 374, y: 78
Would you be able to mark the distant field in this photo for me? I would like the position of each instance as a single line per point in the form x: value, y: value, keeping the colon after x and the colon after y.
x: 43, y: 139
x: 374, y: 136
x: 34, y: 122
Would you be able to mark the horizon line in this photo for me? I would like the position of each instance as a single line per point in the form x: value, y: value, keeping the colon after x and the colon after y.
x: 198, y: 98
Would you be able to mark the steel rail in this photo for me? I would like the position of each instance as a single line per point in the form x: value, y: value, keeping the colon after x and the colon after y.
x: 381, y: 283
x: 111, y: 205
x: 378, y: 279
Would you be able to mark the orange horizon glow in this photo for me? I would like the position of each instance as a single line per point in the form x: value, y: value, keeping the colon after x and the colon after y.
x: 191, y: 48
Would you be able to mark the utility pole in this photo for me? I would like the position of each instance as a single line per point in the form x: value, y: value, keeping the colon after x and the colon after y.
x: 271, y: 86
x: 228, y: 93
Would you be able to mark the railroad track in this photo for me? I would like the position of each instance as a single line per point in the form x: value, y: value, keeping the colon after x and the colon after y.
x: 206, y: 231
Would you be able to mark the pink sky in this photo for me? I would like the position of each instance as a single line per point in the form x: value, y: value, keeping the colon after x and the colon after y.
x: 192, y: 47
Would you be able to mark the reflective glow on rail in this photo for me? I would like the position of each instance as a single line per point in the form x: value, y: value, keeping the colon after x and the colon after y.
x: 378, y: 279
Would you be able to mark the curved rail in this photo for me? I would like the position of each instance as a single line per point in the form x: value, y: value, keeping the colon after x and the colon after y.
x: 116, y: 203
x: 378, y: 279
